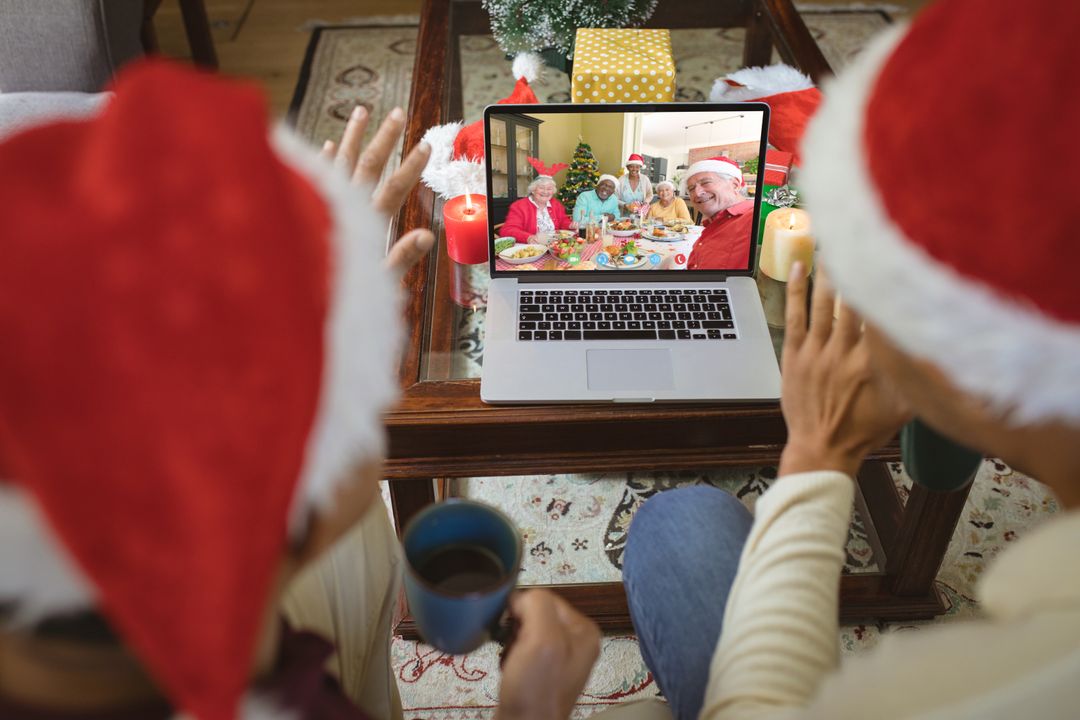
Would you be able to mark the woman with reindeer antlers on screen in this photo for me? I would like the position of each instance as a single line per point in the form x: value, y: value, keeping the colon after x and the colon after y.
x: 539, y: 211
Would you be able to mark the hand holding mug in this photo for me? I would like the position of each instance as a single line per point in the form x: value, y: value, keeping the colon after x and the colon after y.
x: 548, y: 664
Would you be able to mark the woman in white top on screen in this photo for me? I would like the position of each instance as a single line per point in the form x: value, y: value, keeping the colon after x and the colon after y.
x: 635, y: 188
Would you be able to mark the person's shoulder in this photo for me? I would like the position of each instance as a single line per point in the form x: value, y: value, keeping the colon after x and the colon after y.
x: 741, y: 208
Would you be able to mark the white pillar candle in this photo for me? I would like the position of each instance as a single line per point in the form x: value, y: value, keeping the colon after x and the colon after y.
x: 787, y: 239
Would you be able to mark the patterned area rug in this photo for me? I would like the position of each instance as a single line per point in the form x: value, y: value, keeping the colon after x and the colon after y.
x: 575, y: 525
x: 372, y: 64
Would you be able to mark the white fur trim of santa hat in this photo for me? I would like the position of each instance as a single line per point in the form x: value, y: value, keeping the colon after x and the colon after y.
x: 37, y: 573
x: 258, y: 705
x: 358, y: 383
x: 1022, y: 362
x: 758, y: 82
x: 720, y: 167
x: 363, y: 347
x: 445, y: 175
x: 614, y: 180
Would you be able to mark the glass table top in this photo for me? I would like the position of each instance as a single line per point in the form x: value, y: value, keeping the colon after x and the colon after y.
x: 574, y: 524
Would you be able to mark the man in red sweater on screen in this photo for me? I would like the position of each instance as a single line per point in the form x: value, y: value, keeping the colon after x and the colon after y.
x: 715, y: 187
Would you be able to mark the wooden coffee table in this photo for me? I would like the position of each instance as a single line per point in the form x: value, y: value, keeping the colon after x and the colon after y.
x: 442, y: 430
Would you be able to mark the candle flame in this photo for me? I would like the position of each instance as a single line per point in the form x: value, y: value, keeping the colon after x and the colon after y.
x: 791, y: 221
x: 468, y: 203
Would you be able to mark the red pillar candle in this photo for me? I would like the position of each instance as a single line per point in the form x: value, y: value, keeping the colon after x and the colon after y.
x: 465, y: 221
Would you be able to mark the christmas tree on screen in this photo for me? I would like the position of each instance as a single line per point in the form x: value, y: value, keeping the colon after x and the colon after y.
x: 580, y: 176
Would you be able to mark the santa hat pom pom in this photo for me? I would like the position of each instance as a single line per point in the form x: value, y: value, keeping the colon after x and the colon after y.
x: 758, y: 82
x: 528, y: 65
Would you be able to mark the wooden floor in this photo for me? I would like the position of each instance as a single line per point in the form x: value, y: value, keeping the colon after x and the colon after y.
x: 265, y: 39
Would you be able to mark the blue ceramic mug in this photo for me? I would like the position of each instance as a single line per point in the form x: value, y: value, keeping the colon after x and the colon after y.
x: 462, y: 561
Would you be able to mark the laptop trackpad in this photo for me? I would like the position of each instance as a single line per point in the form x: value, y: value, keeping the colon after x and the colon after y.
x: 623, y: 370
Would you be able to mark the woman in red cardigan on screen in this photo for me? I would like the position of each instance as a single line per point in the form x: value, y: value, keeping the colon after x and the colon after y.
x: 538, y: 212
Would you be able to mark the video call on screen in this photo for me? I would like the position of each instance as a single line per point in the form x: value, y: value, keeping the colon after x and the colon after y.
x: 660, y: 218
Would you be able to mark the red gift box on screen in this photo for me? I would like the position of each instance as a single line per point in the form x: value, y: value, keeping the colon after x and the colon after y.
x: 777, y: 166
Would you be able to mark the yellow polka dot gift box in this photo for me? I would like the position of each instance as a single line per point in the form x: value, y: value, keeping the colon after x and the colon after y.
x: 622, y: 66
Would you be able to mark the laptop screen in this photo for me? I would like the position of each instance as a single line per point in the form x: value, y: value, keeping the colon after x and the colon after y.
x: 624, y: 188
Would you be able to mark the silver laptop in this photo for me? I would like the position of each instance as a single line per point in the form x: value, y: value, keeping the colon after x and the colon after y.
x: 625, y: 307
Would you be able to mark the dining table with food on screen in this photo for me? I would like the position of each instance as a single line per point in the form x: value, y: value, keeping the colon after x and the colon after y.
x: 626, y: 244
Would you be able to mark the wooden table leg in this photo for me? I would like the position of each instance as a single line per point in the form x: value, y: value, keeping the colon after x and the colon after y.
x: 758, y: 47
x: 408, y: 497
x: 930, y: 518
x: 197, y: 28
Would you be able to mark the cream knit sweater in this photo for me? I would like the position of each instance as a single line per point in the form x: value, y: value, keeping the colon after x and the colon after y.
x: 778, y: 654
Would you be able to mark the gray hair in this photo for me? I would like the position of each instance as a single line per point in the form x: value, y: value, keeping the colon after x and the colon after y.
x: 540, y: 180
x: 665, y: 184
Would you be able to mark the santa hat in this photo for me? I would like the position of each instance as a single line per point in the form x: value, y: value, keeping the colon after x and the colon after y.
x: 976, y: 277
x: 456, y: 165
x: 635, y: 159
x: 190, y: 364
x: 718, y: 164
x: 791, y: 96
x: 614, y: 180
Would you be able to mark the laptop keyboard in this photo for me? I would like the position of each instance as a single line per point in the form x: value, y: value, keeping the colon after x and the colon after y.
x: 682, y: 314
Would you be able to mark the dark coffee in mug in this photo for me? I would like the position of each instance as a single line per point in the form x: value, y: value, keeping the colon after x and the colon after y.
x: 461, y: 563
x: 462, y: 569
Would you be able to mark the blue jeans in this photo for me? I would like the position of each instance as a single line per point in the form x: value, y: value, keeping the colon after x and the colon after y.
x: 680, y: 560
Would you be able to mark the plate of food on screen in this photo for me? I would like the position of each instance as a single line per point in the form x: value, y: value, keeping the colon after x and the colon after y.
x: 662, y: 234
x: 521, y: 254
x: 623, y: 228
x: 565, y: 248
x: 679, y: 226
x: 622, y: 256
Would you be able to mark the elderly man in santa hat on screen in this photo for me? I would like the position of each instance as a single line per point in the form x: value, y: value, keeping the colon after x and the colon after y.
x: 715, y: 186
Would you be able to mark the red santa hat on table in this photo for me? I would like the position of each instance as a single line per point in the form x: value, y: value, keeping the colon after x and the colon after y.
x: 190, y: 364
x: 791, y: 96
x: 456, y: 165
x: 977, y: 277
